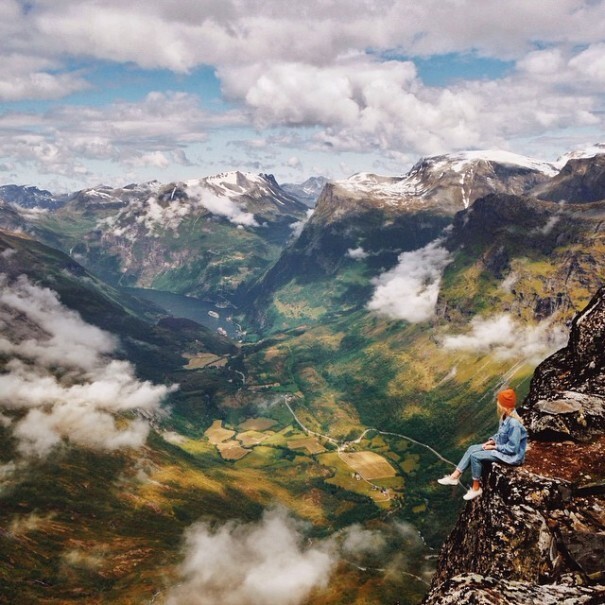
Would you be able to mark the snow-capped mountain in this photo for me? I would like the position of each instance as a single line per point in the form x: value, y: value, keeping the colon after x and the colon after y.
x: 453, y: 181
x: 30, y: 197
x: 254, y: 193
x: 581, y: 180
x: 590, y: 151
x: 151, y: 208
x: 195, y: 237
x: 307, y: 192
x: 371, y: 219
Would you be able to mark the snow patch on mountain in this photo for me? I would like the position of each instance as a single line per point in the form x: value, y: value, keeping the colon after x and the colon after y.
x: 460, y: 161
x: 234, y: 183
x: 590, y: 151
x: 159, y: 208
x: 433, y: 173
x: 147, y: 212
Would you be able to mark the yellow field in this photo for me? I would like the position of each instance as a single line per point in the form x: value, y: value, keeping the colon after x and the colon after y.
x: 257, y: 424
x: 251, y: 438
x: 206, y: 360
x: 309, y: 443
x: 232, y: 450
x: 369, y: 465
x: 217, y: 434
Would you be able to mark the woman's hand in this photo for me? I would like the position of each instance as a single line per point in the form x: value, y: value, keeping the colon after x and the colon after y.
x: 489, y: 445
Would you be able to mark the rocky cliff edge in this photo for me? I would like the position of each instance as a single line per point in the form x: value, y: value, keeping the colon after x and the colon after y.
x: 537, y: 535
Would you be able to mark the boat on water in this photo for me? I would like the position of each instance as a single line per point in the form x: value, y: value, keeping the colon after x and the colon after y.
x: 213, y: 314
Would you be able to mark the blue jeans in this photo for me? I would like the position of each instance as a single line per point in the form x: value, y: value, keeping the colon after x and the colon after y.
x: 475, y: 455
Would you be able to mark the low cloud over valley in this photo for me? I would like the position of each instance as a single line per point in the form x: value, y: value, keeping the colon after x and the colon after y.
x: 59, y: 381
x: 409, y: 291
x: 272, y: 562
x: 507, y: 338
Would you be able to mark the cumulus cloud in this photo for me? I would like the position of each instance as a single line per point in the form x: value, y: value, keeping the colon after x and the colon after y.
x: 507, y: 338
x: 155, y: 159
x: 267, y: 563
x: 409, y: 291
x: 149, y: 133
x: 366, y: 102
x: 60, y: 379
x: 184, y: 35
x: 286, y: 68
x: 357, y: 253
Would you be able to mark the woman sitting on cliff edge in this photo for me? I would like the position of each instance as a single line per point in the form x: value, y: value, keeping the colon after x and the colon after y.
x: 507, y: 445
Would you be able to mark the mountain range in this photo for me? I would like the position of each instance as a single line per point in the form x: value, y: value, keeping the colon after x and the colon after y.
x: 379, y: 322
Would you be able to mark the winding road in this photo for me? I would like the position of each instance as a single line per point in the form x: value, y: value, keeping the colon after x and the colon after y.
x: 342, y: 446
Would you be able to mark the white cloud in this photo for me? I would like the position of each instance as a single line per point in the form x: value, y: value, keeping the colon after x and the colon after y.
x: 285, y: 67
x: 590, y: 63
x: 298, y: 226
x: 271, y: 562
x: 61, y: 375
x: 149, y: 133
x: 509, y: 281
x: 507, y: 338
x: 356, y: 540
x: 267, y: 563
x: 21, y: 78
x: 364, y: 103
x: 181, y: 36
x: 223, y: 206
x: 155, y: 159
x: 357, y: 253
x: 409, y: 291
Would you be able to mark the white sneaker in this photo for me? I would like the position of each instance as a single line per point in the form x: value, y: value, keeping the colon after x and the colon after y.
x: 447, y: 480
x: 472, y: 494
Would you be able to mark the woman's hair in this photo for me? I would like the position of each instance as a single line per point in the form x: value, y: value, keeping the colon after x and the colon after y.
x: 503, y: 412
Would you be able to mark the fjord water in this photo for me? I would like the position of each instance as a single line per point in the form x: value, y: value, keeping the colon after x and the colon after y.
x: 189, y: 307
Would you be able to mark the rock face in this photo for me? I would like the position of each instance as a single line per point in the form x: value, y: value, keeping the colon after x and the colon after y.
x: 580, y: 180
x: 567, y: 395
x: 30, y: 197
x: 509, y: 239
x: 537, y: 534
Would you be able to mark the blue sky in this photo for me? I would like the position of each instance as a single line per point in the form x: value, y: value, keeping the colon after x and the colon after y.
x: 98, y: 91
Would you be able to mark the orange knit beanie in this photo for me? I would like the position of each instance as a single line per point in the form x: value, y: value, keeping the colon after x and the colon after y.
x: 507, y: 399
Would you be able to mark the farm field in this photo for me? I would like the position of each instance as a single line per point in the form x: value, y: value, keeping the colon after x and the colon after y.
x: 369, y: 465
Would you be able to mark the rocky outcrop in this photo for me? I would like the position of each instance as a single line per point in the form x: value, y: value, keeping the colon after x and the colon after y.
x: 537, y: 534
x: 567, y: 394
x: 580, y: 180
x: 474, y: 589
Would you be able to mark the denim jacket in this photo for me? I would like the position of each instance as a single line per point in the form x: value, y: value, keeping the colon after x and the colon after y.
x: 511, y: 441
